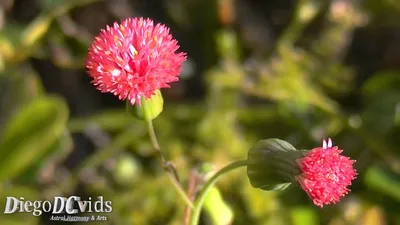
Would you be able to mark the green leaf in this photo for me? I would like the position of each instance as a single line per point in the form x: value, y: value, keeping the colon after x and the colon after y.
x: 383, y: 181
x: 17, y: 43
x: 219, y: 212
x: 29, y: 135
x: 380, y: 114
x: 58, y: 151
x: 10, y: 40
x: 18, y: 86
x: 382, y: 98
x: 381, y: 82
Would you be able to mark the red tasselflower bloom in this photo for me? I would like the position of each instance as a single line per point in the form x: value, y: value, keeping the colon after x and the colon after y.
x: 133, y: 59
x: 325, y: 174
x: 322, y: 172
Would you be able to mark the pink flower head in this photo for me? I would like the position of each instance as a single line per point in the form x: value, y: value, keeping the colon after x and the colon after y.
x: 325, y: 174
x: 133, y: 59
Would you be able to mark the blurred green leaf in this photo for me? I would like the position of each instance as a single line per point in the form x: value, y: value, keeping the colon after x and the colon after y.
x: 18, y: 42
x: 381, y: 82
x: 30, y: 133
x: 219, y: 212
x: 110, y: 120
x: 18, y: 86
x: 385, y: 12
x: 382, y: 98
x: 303, y: 215
x: 9, y: 40
x: 36, y: 30
x: 383, y: 181
x: 381, y: 111
x: 262, y: 206
x: 43, y: 168
x: 52, y: 8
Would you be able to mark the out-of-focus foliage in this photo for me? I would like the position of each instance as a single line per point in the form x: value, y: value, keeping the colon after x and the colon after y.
x: 295, y: 70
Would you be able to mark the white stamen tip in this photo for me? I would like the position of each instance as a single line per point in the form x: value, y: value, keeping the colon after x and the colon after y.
x: 115, y: 72
x: 99, y: 69
x: 330, y: 143
x: 324, y: 145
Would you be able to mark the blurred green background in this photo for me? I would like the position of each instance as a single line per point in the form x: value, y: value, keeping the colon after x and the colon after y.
x: 298, y: 70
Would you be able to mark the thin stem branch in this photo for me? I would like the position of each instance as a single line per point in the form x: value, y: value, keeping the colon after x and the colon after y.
x: 153, y: 139
x: 194, y: 219
x: 191, y: 192
x: 168, y: 166
x: 180, y: 190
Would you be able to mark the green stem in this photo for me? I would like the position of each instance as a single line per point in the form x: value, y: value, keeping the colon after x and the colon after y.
x: 153, y: 139
x: 172, y: 174
x: 180, y: 190
x: 194, y: 218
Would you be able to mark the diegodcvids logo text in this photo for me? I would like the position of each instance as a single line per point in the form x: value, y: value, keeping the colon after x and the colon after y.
x: 70, y: 205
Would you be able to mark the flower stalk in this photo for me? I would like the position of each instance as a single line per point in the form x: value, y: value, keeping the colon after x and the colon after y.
x: 194, y: 218
x: 168, y: 166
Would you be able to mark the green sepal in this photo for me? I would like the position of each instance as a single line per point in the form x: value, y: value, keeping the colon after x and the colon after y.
x: 148, y: 109
x: 272, y: 164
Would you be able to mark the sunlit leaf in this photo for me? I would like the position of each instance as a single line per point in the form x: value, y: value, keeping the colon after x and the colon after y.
x: 219, y: 212
x: 30, y: 133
